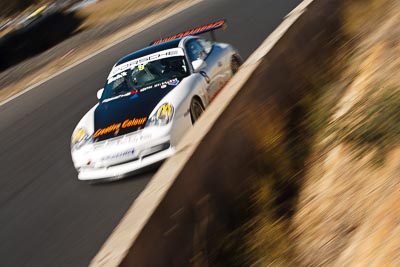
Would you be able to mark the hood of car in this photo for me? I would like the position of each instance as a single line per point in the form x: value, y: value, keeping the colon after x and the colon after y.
x: 128, y: 112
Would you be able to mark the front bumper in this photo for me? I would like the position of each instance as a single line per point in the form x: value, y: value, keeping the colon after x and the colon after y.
x: 120, y: 171
x: 119, y: 157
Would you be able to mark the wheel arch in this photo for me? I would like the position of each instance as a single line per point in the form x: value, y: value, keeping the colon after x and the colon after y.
x: 200, y: 100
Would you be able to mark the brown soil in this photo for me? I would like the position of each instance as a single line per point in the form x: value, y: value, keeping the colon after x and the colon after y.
x: 348, y: 210
x: 324, y: 118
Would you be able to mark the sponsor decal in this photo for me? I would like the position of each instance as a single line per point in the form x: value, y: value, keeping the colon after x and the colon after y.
x: 133, y: 122
x: 146, y: 88
x: 133, y: 95
x: 198, y: 30
x: 117, y: 126
x: 173, y: 52
x: 102, y: 131
x: 119, y: 155
x: 116, y: 97
x: 173, y: 82
x: 162, y: 85
x: 165, y: 110
x: 169, y: 82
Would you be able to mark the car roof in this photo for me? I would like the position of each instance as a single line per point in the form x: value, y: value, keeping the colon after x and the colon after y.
x: 149, y: 50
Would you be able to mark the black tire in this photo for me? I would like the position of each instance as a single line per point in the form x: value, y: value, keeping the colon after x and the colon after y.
x: 196, y: 109
x: 235, y: 64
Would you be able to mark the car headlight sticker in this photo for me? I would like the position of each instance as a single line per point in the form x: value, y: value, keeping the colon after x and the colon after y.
x: 79, y: 135
x: 79, y: 138
x: 163, y: 116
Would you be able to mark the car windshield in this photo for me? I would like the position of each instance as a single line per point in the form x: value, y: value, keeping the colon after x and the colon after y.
x: 145, y: 75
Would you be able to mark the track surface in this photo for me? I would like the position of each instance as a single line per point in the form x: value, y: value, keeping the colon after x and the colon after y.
x: 48, y: 217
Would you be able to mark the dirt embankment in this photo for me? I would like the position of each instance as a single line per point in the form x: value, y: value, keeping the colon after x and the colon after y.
x: 348, y: 210
x: 326, y: 175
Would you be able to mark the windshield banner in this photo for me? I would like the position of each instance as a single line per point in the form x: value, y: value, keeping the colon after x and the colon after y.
x: 174, y: 52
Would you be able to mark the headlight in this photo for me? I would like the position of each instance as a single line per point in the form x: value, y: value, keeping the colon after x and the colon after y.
x: 163, y: 116
x: 80, y: 138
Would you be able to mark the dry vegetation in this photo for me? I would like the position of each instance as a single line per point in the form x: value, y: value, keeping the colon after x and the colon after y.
x: 107, y: 10
x: 348, y: 213
x: 345, y: 210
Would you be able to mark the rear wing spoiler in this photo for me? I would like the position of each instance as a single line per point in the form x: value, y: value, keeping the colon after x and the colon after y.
x: 199, y: 30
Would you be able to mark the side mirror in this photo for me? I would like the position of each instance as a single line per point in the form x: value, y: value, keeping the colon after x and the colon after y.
x: 100, y: 93
x: 198, y: 64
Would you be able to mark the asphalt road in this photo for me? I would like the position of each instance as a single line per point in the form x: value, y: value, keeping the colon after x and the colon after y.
x: 48, y: 217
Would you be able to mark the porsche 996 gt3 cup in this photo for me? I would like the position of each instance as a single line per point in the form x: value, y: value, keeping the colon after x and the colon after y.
x: 150, y: 99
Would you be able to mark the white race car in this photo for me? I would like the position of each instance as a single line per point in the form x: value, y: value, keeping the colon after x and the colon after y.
x: 151, y: 98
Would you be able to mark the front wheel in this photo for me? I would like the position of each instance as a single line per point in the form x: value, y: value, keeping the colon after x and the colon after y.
x: 196, y: 109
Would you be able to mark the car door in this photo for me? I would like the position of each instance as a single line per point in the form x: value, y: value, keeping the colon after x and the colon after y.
x: 211, y: 71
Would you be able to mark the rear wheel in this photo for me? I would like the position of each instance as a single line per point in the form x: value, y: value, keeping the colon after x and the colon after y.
x: 235, y: 64
x: 196, y: 109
